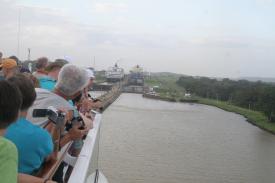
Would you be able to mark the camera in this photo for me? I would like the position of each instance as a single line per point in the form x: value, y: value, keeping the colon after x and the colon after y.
x: 53, y: 114
x: 58, y: 118
x: 74, y: 121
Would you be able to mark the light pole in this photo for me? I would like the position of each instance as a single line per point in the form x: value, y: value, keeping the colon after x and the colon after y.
x: 29, y: 54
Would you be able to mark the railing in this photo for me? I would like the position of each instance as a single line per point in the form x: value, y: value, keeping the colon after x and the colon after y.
x: 48, y: 169
x: 87, y: 161
x: 85, y: 164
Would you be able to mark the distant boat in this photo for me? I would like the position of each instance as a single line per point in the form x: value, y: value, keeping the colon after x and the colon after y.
x: 136, y: 76
x: 114, y: 74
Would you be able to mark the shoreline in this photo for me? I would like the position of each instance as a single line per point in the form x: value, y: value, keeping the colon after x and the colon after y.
x: 167, y: 99
x: 253, y: 117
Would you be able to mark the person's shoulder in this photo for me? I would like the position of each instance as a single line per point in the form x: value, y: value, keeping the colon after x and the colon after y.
x: 43, y: 139
x: 42, y: 90
x: 46, y: 79
x: 9, y: 161
x: 48, y: 98
x: 47, y: 83
x: 48, y: 95
x: 7, y: 147
x: 40, y: 133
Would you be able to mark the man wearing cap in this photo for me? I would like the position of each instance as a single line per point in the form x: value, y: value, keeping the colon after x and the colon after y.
x: 89, y: 102
x: 9, y: 67
x: 91, y: 81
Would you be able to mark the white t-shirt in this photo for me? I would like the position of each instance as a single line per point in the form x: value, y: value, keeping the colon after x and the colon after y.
x: 44, y: 99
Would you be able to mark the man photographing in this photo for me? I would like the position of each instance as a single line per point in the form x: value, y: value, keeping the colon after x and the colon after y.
x: 71, y: 81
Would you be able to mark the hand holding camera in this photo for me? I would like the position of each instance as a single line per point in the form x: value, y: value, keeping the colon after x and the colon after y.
x: 78, y: 132
x: 88, y: 120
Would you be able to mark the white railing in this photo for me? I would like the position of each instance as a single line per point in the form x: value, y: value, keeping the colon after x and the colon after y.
x: 87, y: 162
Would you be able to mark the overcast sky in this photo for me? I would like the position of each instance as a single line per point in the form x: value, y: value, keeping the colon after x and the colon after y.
x: 223, y: 38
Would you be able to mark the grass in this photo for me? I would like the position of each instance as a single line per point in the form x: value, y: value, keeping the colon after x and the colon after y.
x: 167, y: 86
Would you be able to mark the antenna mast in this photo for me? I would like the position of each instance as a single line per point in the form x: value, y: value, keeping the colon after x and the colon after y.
x: 94, y: 62
x: 18, y: 33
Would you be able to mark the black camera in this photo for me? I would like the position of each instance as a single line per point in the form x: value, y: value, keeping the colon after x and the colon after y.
x: 54, y: 115
x: 74, y: 121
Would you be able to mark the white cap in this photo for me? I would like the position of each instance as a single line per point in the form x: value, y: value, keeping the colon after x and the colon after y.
x: 90, y: 73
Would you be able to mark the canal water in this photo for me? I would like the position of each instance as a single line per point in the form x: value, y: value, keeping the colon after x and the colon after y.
x: 149, y: 141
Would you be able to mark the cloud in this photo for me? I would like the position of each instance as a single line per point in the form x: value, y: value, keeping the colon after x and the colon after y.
x: 60, y: 12
x: 266, y: 1
x: 54, y: 33
x: 110, y: 7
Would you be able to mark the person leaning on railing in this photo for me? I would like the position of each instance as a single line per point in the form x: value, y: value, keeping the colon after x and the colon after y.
x: 88, y: 103
x: 10, y: 103
x: 34, y: 143
x: 71, y: 81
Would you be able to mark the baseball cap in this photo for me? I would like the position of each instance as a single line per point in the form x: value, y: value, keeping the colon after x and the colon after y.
x: 8, y: 63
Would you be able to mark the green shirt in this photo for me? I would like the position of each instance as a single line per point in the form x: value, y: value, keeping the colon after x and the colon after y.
x: 8, y: 161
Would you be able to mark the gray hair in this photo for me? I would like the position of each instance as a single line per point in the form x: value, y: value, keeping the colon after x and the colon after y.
x: 71, y: 79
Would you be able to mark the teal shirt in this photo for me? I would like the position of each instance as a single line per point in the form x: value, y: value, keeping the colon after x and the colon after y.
x: 47, y: 83
x: 33, y: 143
x: 8, y: 161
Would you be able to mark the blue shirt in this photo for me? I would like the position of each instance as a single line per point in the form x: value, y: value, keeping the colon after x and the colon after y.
x: 47, y: 83
x: 33, y: 143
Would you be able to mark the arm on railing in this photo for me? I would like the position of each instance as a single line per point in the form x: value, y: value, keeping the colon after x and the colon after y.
x: 63, y: 144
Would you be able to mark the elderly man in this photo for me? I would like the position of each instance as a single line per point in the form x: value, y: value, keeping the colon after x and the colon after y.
x: 71, y: 81
x: 9, y: 67
x: 41, y: 64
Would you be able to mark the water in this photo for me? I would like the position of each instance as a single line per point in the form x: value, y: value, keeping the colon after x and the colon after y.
x: 150, y: 141
x: 96, y: 94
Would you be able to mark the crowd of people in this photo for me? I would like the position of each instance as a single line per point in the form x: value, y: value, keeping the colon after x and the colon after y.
x: 30, y: 139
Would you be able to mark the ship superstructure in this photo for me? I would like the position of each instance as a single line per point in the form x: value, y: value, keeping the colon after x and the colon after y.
x: 136, y: 76
x: 114, y: 74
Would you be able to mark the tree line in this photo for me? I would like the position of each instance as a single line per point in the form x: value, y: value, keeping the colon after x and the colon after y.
x: 257, y: 96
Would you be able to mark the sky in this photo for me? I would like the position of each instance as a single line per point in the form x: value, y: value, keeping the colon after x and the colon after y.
x: 216, y: 38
